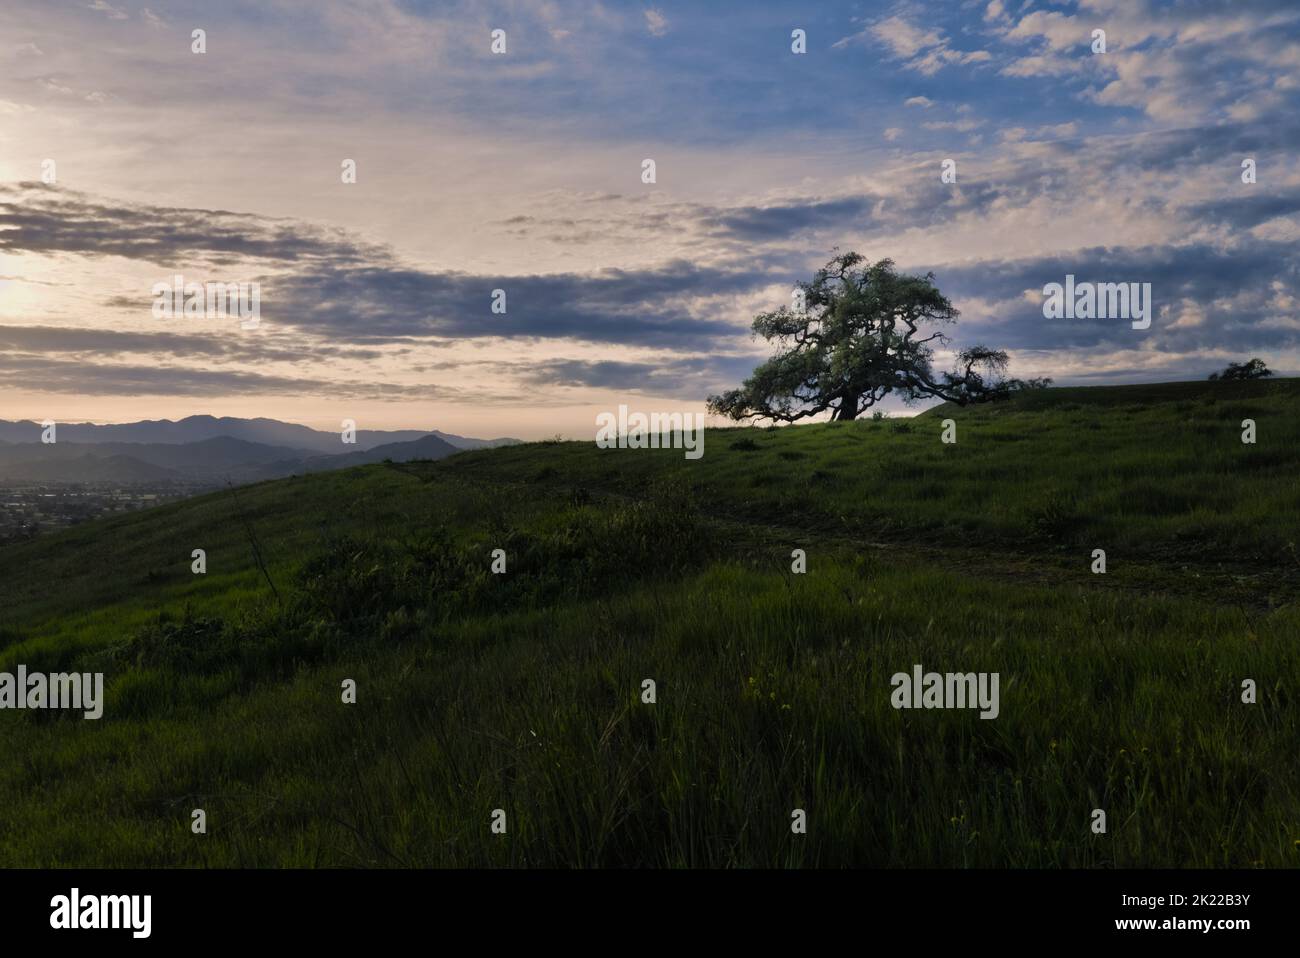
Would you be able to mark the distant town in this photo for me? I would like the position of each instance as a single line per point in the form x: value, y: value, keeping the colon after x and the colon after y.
x: 29, y: 508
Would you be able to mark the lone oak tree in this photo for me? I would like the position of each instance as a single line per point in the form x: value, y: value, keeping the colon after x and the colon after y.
x: 863, y: 332
x: 1255, y: 369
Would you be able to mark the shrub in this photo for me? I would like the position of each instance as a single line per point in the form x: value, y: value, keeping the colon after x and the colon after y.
x: 1057, y: 518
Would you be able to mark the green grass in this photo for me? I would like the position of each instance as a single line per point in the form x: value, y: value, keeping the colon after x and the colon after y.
x: 522, y: 691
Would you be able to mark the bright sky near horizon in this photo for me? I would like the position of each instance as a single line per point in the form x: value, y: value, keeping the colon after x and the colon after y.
x: 522, y: 171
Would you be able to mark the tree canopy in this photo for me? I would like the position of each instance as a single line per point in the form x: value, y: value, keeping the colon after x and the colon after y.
x: 856, y: 333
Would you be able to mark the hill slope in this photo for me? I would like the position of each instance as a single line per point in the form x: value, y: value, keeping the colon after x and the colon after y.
x: 524, y: 690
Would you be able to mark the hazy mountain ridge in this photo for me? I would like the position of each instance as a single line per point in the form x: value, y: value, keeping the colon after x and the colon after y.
x: 269, y: 432
x: 426, y: 447
x: 90, y: 453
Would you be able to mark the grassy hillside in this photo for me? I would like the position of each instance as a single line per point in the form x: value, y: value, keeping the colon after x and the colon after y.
x: 522, y: 691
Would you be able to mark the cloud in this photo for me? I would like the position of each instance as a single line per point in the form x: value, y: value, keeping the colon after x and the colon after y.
x: 1057, y: 30
x: 906, y: 39
x: 53, y: 84
x: 688, y: 378
x: 1018, y: 134
x: 110, y: 11
x: 120, y: 379
x: 390, y: 303
x: 921, y: 101
x: 90, y: 344
x: 781, y: 220
x: 656, y: 22
x: 962, y: 126
x: 925, y: 50
x: 38, y: 218
x: 1177, y: 63
x: 1206, y: 297
x: 329, y: 281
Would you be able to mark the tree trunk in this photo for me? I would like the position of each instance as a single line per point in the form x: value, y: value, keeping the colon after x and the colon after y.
x: 848, y: 407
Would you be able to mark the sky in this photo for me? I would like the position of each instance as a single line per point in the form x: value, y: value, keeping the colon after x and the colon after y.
x: 522, y: 171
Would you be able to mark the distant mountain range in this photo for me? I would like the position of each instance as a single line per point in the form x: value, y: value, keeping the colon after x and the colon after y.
x: 206, y: 448
x: 271, y: 432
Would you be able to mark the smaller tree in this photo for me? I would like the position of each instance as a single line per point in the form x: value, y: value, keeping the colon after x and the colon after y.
x: 1255, y: 369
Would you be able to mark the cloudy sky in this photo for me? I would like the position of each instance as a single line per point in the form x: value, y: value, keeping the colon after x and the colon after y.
x: 479, y: 171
